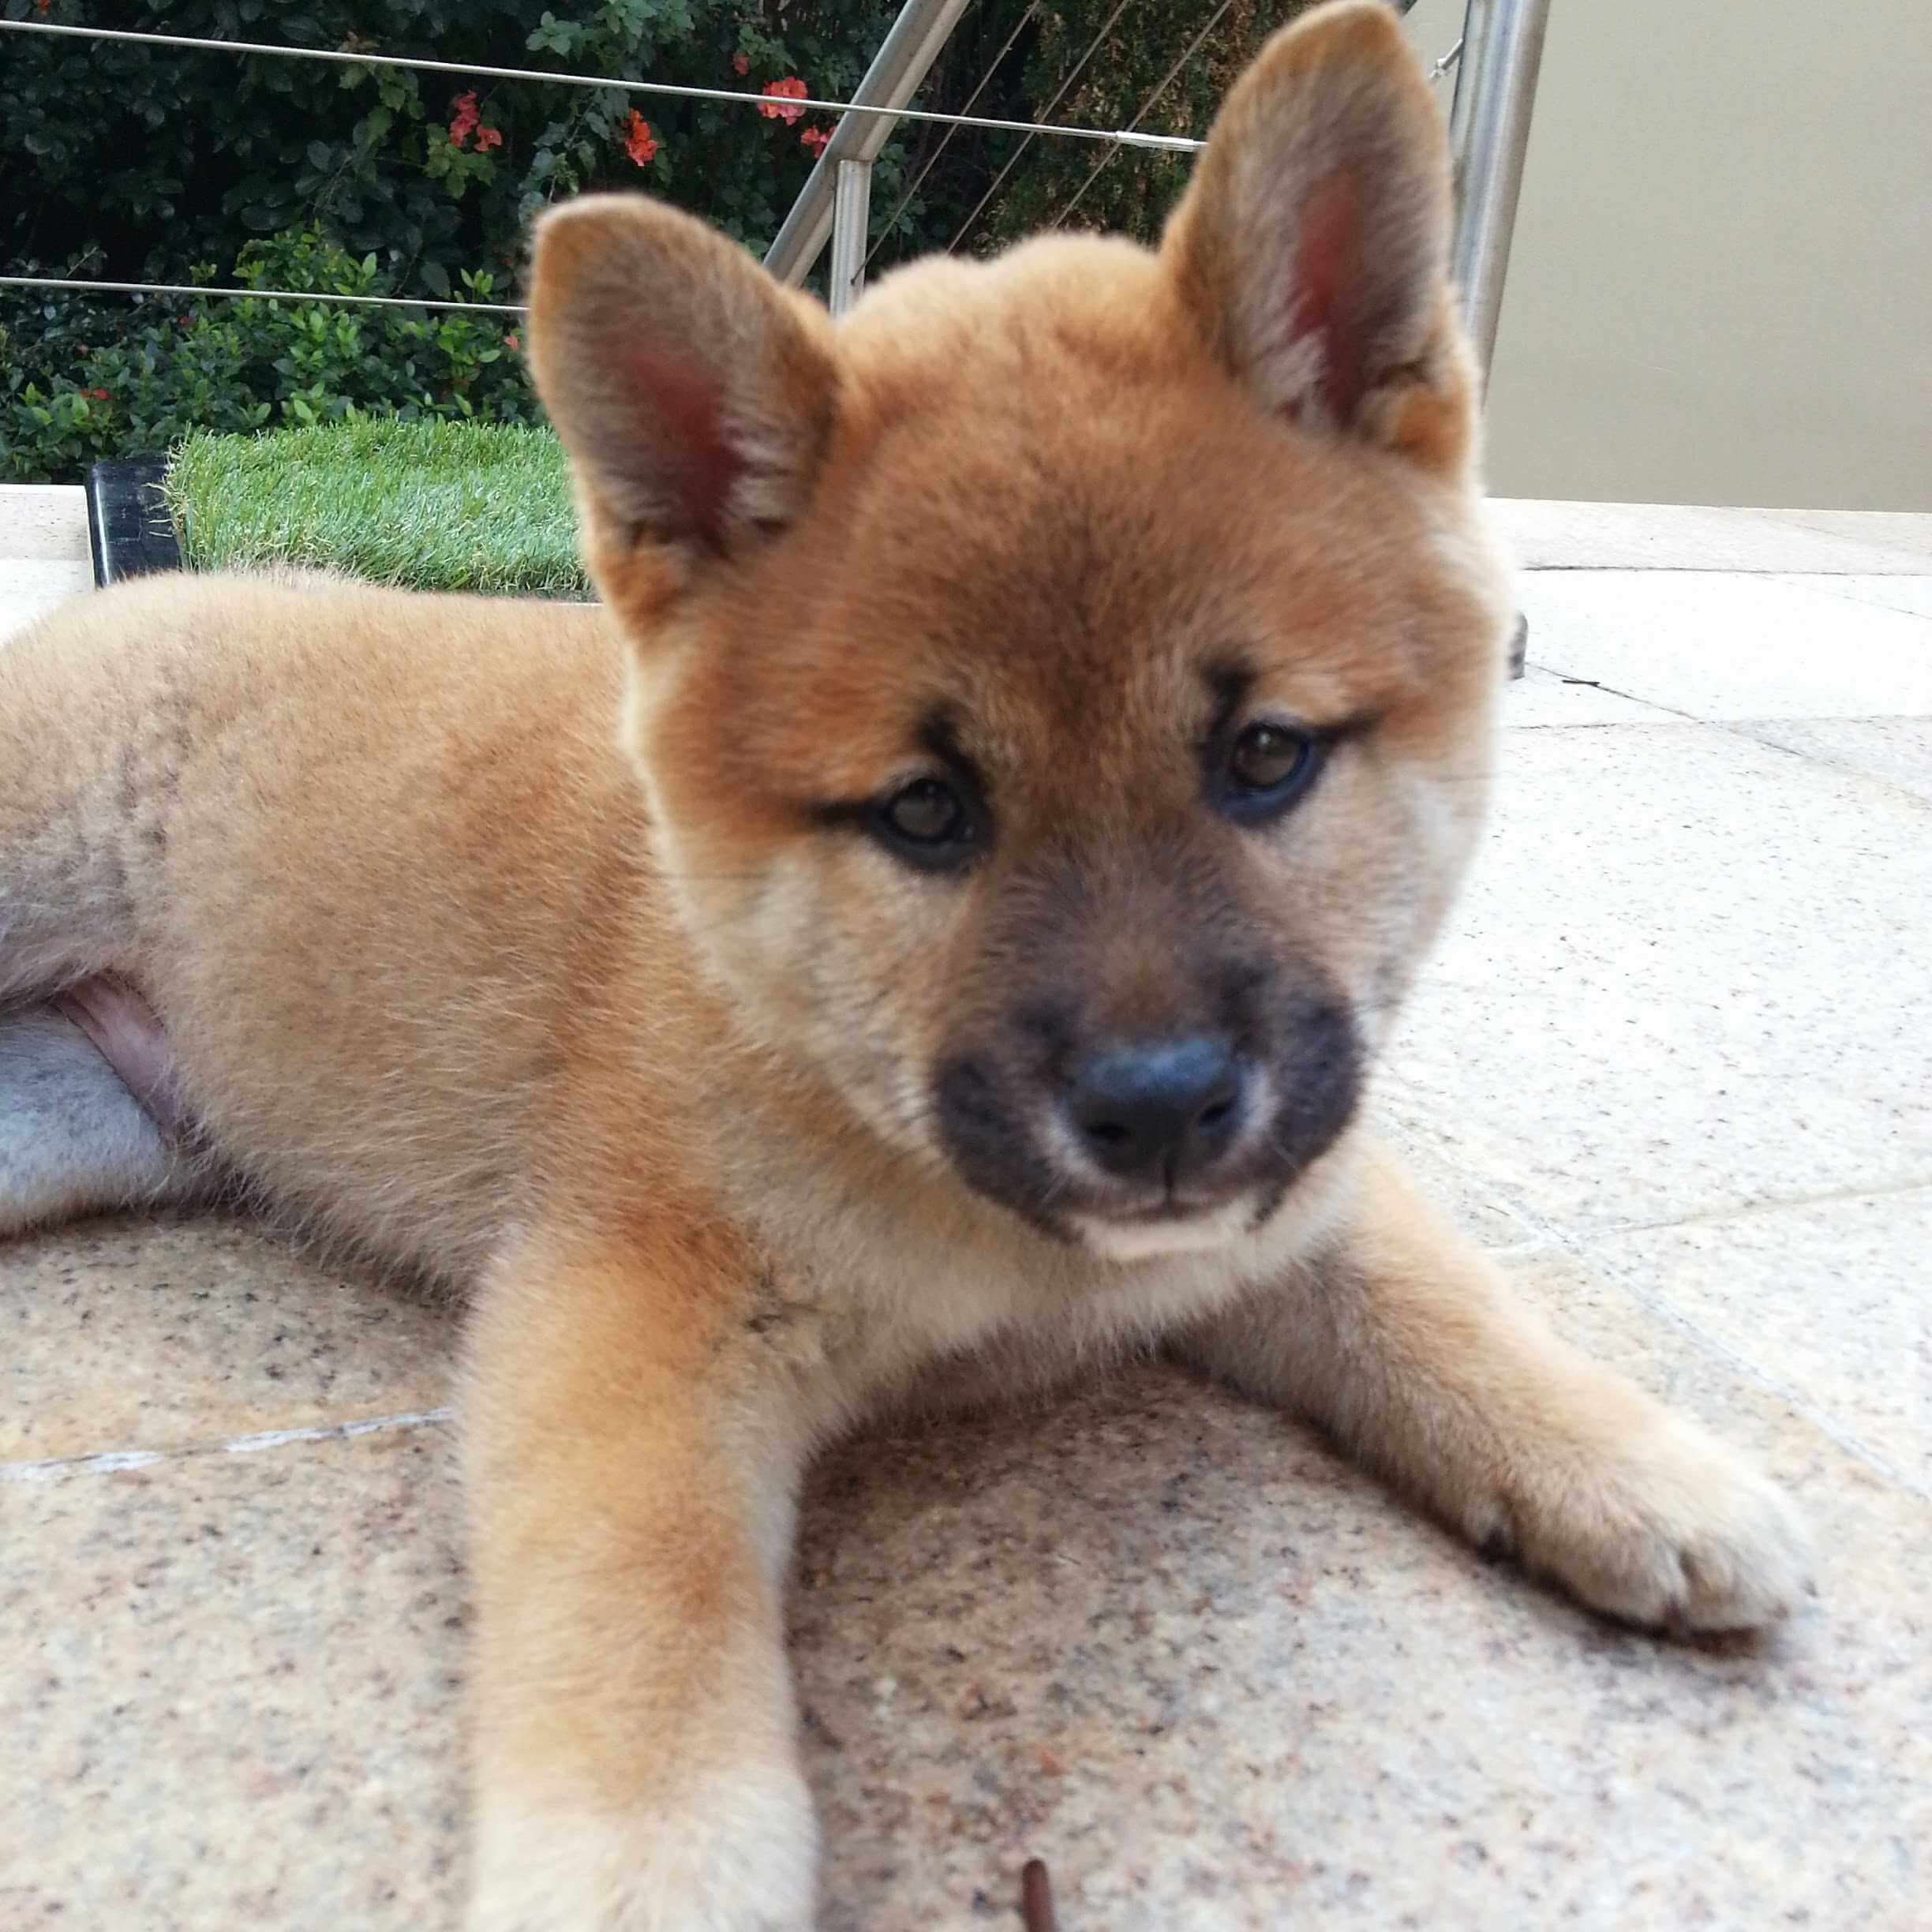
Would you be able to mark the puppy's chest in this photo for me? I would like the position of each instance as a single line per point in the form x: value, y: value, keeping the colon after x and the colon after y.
x: 866, y: 1296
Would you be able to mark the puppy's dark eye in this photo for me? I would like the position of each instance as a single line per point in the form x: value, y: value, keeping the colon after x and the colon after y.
x: 1265, y: 769
x: 928, y: 812
x: 1267, y: 755
x: 929, y: 823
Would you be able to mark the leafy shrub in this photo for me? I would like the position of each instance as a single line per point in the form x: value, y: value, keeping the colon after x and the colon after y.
x: 162, y: 156
x: 86, y: 378
x: 161, y: 164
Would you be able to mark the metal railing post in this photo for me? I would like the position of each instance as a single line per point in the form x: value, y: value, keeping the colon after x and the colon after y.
x: 1489, y: 133
x: 851, y: 207
x: 891, y: 81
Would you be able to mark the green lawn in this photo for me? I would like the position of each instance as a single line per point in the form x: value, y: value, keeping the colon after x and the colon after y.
x: 439, y: 505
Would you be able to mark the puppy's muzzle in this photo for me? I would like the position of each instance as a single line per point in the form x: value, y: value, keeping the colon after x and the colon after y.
x: 1162, y: 1127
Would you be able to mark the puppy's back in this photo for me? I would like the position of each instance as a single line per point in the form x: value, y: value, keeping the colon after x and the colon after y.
x: 331, y: 830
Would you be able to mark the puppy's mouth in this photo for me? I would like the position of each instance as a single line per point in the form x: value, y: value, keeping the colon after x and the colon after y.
x: 1172, y: 1228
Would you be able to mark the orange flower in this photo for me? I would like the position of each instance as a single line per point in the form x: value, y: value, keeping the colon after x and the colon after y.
x: 790, y: 89
x: 510, y: 341
x: 487, y: 138
x: 640, y: 144
x: 741, y: 65
x: 813, y: 140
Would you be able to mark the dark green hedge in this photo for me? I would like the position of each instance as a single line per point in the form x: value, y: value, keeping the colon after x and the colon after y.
x: 150, y: 164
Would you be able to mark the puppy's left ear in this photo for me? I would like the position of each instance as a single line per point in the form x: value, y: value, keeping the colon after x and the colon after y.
x: 695, y: 396
x: 1312, y: 245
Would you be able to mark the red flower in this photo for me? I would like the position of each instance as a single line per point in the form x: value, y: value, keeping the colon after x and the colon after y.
x: 99, y: 395
x: 813, y: 140
x: 41, y: 7
x: 789, y: 90
x: 466, y: 121
x: 510, y: 341
x: 741, y: 65
x: 640, y: 144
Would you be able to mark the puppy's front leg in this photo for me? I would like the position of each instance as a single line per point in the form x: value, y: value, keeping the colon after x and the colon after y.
x: 1406, y: 1344
x: 633, y: 1447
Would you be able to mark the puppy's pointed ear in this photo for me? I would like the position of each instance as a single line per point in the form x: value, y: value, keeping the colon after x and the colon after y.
x: 695, y: 396
x: 1312, y: 244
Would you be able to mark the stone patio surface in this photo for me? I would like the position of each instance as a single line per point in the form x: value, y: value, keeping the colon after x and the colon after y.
x: 1674, y: 1063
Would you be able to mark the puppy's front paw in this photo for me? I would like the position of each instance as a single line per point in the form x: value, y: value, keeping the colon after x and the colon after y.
x: 1668, y: 1529
x: 737, y: 1855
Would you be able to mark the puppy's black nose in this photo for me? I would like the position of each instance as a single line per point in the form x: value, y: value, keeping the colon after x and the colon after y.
x: 1159, y: 1109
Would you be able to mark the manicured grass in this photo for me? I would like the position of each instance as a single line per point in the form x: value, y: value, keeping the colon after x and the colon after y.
x: 438, y: 505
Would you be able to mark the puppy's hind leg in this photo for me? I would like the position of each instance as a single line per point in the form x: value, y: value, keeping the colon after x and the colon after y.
x: 73, y: 1139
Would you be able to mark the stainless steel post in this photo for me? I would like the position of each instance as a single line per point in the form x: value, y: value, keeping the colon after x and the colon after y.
x: 911, y: 47
x: 851, y: 207
x: 1489, y: 130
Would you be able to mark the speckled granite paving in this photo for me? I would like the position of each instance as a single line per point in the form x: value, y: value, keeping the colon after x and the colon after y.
x: 1675, y: 1063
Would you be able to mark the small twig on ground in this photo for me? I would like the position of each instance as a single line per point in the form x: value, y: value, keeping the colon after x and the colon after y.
x: 1036, y: 1906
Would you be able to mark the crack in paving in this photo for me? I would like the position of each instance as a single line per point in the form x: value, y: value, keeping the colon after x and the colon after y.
x: 111, y: 1461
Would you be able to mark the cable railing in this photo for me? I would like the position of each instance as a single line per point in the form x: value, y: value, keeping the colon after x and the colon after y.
x: 356, y: 300
x: 1495, y: 61
x: 1146, y: 107
x: 1072, y: 75
x: 553, y: 77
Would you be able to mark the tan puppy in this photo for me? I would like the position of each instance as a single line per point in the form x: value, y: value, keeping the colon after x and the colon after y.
x: 939, y: 916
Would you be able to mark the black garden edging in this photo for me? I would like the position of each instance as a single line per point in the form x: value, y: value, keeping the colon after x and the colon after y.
x: 129, y: 531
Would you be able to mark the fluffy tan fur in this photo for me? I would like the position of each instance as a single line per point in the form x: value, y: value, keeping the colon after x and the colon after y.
x: 517, y: 945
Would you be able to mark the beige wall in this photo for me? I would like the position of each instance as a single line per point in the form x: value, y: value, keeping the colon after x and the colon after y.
x: 1721, y: 286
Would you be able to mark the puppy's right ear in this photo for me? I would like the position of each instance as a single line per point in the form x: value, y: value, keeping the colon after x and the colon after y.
x: 695, y: 395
